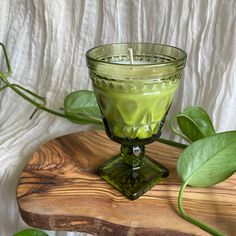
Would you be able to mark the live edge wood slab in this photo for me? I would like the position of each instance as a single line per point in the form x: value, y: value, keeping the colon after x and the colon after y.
x: 59, y: 190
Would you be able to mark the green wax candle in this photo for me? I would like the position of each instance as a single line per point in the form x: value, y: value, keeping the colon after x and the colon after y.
x: 135, y: 114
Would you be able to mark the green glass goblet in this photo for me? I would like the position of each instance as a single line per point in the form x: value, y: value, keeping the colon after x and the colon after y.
x: 134, y: 100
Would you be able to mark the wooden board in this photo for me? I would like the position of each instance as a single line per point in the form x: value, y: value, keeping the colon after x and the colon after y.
x: 59, y: 190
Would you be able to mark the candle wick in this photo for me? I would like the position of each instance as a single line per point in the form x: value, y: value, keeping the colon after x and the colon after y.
x: 131, y: 57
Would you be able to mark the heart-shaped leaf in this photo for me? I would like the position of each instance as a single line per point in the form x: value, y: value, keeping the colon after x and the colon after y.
x: 194, y: 123
x: 31, y: 232
x: 208, y: 161
x: 82, y: 105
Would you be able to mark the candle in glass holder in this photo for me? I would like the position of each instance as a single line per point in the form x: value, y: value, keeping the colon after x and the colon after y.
x: 134, y: 95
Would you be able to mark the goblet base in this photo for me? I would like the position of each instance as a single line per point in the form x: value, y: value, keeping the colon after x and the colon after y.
x: 132, y: 181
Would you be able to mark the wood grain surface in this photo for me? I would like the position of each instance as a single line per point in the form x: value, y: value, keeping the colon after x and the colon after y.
x: 59, y: 190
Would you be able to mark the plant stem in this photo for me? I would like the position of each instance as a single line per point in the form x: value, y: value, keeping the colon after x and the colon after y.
x: 192, y: 220
x: 42, y: 107
x: 177, y: 131
x: 30, y: 92
x: 172, y: 143
x: 26, y: 90
x: 3, y: 87
x: 7, y: 62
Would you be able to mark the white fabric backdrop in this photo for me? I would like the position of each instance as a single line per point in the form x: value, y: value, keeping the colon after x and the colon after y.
x: 46, y: 42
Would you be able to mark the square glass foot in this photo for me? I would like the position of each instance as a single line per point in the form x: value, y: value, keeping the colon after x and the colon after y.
x: 132, y: 181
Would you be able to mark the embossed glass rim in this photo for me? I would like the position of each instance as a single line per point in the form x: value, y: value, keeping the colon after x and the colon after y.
x: 162, y: 62
x: 174, y: 61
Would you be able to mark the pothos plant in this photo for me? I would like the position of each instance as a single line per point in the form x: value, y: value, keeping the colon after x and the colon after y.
x: 207, y: 160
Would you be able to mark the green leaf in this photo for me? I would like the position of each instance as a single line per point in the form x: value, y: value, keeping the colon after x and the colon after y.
x: 194, y: 123
x: 82, y: 105
x: 31, y: 232
x: 208, y: 161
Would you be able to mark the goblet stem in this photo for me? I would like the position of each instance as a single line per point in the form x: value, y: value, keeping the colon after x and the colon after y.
x: 132, y: 154
x: 132, y: 172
